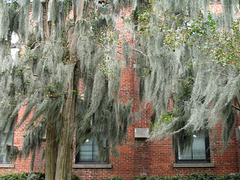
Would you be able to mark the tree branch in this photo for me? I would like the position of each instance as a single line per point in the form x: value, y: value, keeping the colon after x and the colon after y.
x: 74, y: 11
x: 79, y: 10
x: 237, y: 101
x: 140, y: 52
x: 137, y: 50
x: 237, y: 108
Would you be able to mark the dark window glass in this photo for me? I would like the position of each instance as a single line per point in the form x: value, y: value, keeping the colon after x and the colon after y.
x: 197, y: 152
x: 5, y: 146
x: 89, y: 153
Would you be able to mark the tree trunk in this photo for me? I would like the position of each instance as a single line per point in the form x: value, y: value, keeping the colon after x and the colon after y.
x: 59, y: 155
x: 79, y: 10
x: 50, y: 151
x: 45, y: 20
x: 65, y: 147
x: 51, y: 129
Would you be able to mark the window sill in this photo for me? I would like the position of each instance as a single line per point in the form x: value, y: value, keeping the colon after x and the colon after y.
x: 7, y: 166
x: 92, y: 166
x: 193, y: 165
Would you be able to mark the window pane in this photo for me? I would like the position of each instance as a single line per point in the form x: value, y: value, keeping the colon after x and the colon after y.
x: 86, y: 151
x: 1, y: 155
x: 89, y: 153
x: 86, y: 156
x: 199, y: 147
x: 4, y: 156
x: 197, y: 151
x: 3, y: 140
x: 186, y: 154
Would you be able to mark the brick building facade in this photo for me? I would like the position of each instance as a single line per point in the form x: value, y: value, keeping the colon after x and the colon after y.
x: 137, y: 156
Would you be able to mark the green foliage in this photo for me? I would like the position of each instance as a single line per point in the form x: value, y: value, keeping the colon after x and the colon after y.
x: 202, y: 176
x: 143, y: 20
x: 165, y: 118
x: 205, y: 176
x: 221, y: 45
x: 24, y: 176
x: 115, y: 178
x: 29, y: 176
x: 75, y: 177
x: 15, y: 5
x: 105, y: 69
x: 142, y: 16
x: 109, y: 36
x: 53, y: 91
x: 194, y: 176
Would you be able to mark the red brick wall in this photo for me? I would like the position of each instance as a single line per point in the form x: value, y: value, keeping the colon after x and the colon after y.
x: 23, y: 164
x: 238, y: 141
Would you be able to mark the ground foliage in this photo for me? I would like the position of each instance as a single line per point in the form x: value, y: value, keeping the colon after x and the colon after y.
x: 197, y: 176
x: 193, y: 176
x: 29, y: 176
x: 182, y: 51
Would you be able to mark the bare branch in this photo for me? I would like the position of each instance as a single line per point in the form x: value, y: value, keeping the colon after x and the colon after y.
x: 137, y: 50
x: 140, y: 52
x: 237, y: 102
x: 237, y: 108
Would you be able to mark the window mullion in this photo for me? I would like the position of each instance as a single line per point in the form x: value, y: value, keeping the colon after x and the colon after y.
x: 192, y: 152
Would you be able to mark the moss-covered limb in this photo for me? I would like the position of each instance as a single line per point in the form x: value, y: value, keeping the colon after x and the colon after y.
x: 33, y: 138
x: 228, y: 125
x: 4, y: 20
x: 32, y: 160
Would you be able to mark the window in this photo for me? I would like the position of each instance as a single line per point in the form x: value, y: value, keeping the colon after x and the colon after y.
x: 89, y: 153
x: 197, y: 152
x: 5, y: 147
